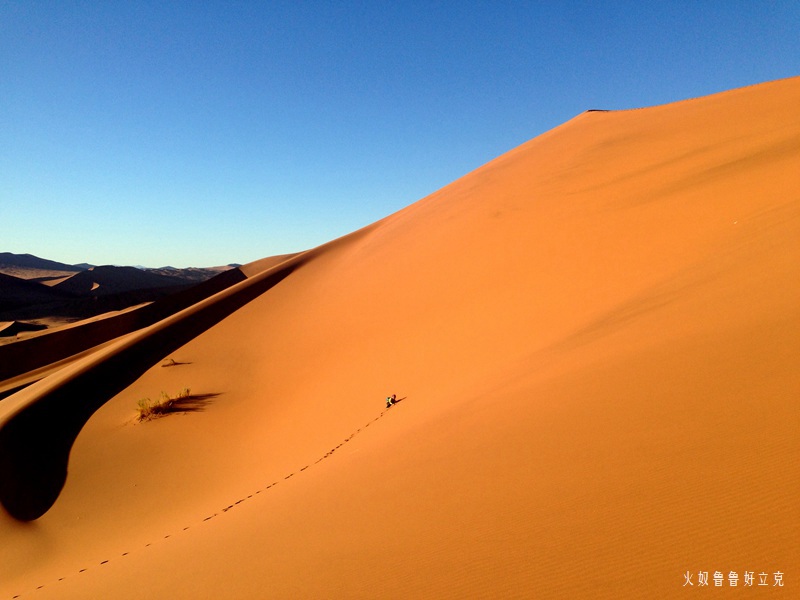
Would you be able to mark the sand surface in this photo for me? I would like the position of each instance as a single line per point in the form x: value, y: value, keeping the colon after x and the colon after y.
x: 594, y: 338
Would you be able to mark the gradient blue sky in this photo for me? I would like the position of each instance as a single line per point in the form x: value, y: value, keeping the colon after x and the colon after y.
x: 203, y: 133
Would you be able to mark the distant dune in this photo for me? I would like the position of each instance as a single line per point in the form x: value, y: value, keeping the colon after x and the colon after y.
x: 45, y: 292
x: 16, y: 293
x: 37, y: 351
x: 113, y: 280
x: 593, y: 340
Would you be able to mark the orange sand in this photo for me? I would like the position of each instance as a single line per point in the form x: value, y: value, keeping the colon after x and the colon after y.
x: 595, y: 340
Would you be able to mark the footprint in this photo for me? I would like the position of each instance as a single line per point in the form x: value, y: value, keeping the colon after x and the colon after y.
x: 352, y: 435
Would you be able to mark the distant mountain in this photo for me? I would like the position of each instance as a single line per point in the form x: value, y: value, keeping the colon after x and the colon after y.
x: 34, y: 262
x: 28, y: 266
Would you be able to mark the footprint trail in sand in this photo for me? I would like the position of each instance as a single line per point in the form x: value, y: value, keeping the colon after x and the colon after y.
x: 230, y: 506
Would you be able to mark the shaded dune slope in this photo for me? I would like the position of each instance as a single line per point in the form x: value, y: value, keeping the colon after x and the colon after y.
x: 10, y: 328
x: 16, y: 293
x: 114, y: 280
x: 36, y: 435
x: 595, y: 339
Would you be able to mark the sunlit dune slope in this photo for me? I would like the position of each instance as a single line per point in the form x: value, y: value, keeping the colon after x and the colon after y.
x: 594, y: 338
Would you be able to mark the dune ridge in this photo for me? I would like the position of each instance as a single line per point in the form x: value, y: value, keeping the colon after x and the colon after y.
x: 594, y: 336
x: 32, y: 474
x: 60, y: 343
x: 36, y: 352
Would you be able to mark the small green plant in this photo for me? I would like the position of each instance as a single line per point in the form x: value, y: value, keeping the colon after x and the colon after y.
x: 165, y: 405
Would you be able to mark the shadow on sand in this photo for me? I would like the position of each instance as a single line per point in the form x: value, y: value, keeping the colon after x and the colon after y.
x: 182, y: 404
x: 171, y: 362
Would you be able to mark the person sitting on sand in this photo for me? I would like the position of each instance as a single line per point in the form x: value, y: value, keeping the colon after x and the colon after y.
x: 391, y: 400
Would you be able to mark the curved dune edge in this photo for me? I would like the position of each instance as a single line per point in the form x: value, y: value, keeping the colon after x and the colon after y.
x: 596, y: 339
x: 39, y: 425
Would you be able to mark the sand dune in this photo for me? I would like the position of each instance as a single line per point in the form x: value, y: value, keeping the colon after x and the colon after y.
x: 17, y: 293
x: 594, y: 338
x: 38, y: 291
x: 61, y: 342
x: 12, y: 328
x: 113, y: 280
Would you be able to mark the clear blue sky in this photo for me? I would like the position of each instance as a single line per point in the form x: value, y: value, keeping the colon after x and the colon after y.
x: 202, y: 133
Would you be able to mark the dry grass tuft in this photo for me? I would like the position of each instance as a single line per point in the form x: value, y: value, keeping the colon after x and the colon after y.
x: 164, y: 405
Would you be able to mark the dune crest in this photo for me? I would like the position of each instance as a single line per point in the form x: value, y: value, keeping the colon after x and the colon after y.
x: 594, y: 337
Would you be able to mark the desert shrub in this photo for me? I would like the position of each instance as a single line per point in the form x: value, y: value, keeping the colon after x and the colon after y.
x: 149, y: 409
